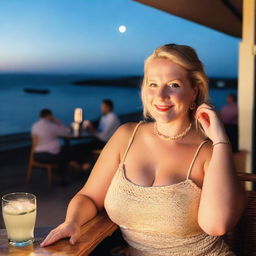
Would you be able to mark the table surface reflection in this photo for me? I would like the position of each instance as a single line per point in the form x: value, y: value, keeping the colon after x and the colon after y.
x: 62, y: 247
x: 91, y: 234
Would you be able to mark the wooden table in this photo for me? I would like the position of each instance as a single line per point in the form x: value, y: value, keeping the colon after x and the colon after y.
x: 71, y: 137
x: 92, y: 234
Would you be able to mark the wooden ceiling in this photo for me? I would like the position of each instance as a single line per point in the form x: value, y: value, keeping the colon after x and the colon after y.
x: 222, y: 15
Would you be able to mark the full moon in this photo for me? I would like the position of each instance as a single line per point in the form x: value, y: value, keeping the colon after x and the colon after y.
x: 122, y: 29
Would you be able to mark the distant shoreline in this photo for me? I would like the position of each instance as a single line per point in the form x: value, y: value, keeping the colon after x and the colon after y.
x: 135, y: 81
x: 131, y: 81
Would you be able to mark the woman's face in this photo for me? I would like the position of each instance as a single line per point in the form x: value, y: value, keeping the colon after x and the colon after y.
x: 167, y: 92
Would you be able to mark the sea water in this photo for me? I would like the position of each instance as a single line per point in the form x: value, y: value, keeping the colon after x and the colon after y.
x: 19, y: 110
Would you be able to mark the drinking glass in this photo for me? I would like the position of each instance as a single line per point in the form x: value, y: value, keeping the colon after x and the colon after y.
x: 19, y: 214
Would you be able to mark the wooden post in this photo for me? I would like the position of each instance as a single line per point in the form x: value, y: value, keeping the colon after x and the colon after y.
x: 246, y: 85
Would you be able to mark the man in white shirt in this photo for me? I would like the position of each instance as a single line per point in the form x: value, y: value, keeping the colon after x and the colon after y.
x: 47, y: 147
x: 108, y: 124
x: 102, y: 132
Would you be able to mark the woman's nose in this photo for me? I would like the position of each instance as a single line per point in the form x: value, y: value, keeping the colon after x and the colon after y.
x: 163, y: 92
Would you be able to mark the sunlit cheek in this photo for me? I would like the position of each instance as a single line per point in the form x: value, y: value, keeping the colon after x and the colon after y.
x: 182, y: 100
x: 149, y: 95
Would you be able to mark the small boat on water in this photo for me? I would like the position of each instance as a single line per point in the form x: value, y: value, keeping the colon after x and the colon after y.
x: 39, y: 91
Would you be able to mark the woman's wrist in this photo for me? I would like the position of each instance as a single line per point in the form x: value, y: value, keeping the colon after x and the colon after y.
x: 220, y: 139
x: 220, y: 143
x: 67, y: 221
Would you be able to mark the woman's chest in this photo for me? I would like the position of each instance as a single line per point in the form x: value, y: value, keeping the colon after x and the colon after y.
x: 148, y: 167
x: 167, y: 209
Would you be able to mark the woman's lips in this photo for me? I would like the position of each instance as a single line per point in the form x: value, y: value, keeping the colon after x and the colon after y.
x: 163, y: 108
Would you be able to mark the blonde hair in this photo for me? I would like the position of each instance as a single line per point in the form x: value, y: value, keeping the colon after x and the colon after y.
x: 186, y: 57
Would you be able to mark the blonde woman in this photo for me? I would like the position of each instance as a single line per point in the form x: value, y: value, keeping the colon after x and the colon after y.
x: 170, y: 187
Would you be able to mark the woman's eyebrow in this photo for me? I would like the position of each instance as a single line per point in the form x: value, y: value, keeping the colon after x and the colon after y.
x: 175, y: 79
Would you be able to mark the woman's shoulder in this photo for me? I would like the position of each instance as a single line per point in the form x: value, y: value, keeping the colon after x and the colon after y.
x: 125, y: 131
x: 207, y: 146
x: 128, y: 128
x: 199, y: 140
x: 205, y: 153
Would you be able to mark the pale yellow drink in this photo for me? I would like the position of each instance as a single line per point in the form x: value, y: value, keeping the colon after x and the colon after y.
x: 19, y: 218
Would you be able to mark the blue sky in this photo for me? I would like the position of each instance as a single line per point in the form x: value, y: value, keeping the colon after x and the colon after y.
x: 82, y: 37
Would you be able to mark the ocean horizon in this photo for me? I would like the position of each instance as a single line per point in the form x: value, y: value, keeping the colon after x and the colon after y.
x: 19, y: 109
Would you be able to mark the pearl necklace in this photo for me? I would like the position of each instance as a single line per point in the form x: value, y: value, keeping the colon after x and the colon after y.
x: 175, y: 137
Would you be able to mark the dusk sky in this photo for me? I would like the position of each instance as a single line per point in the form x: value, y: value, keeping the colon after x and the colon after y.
x: 82, y: 37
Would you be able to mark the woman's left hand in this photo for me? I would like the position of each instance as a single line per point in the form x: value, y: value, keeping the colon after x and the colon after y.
x: 211, y: 123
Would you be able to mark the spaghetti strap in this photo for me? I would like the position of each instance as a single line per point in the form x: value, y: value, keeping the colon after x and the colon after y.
x: 130, y: 141
x: 194, y: 158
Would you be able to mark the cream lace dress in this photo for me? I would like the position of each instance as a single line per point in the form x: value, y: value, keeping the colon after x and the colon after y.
x: 160, y: 220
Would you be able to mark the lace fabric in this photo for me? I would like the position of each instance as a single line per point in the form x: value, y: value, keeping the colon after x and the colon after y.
x: 160, y: 220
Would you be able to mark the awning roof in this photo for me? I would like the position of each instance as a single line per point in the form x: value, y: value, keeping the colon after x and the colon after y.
x: 222, y: 15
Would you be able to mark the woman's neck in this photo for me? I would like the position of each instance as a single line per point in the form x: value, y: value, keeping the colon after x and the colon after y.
x: 173, y: 128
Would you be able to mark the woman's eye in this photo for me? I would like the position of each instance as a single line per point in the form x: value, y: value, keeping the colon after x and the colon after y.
x: 174, y: 85
x: 152, y: 85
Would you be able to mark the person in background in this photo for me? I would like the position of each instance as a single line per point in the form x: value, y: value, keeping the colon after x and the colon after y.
x: 47, y: 147
x: 101, y: 130
x: 229, y: 116
x: 108, y: 124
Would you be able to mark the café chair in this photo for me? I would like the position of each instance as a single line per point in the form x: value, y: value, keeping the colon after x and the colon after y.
x: 240, y: 160
x: 34, y: 164
x: 242, y: 239
x: 96, y: 153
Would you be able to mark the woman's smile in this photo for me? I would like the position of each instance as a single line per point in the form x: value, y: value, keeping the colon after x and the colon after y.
x: 163, y: 108
x: 168, y: 92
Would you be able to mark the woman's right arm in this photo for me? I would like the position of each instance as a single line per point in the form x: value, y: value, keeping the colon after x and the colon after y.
x: 90, y: 199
